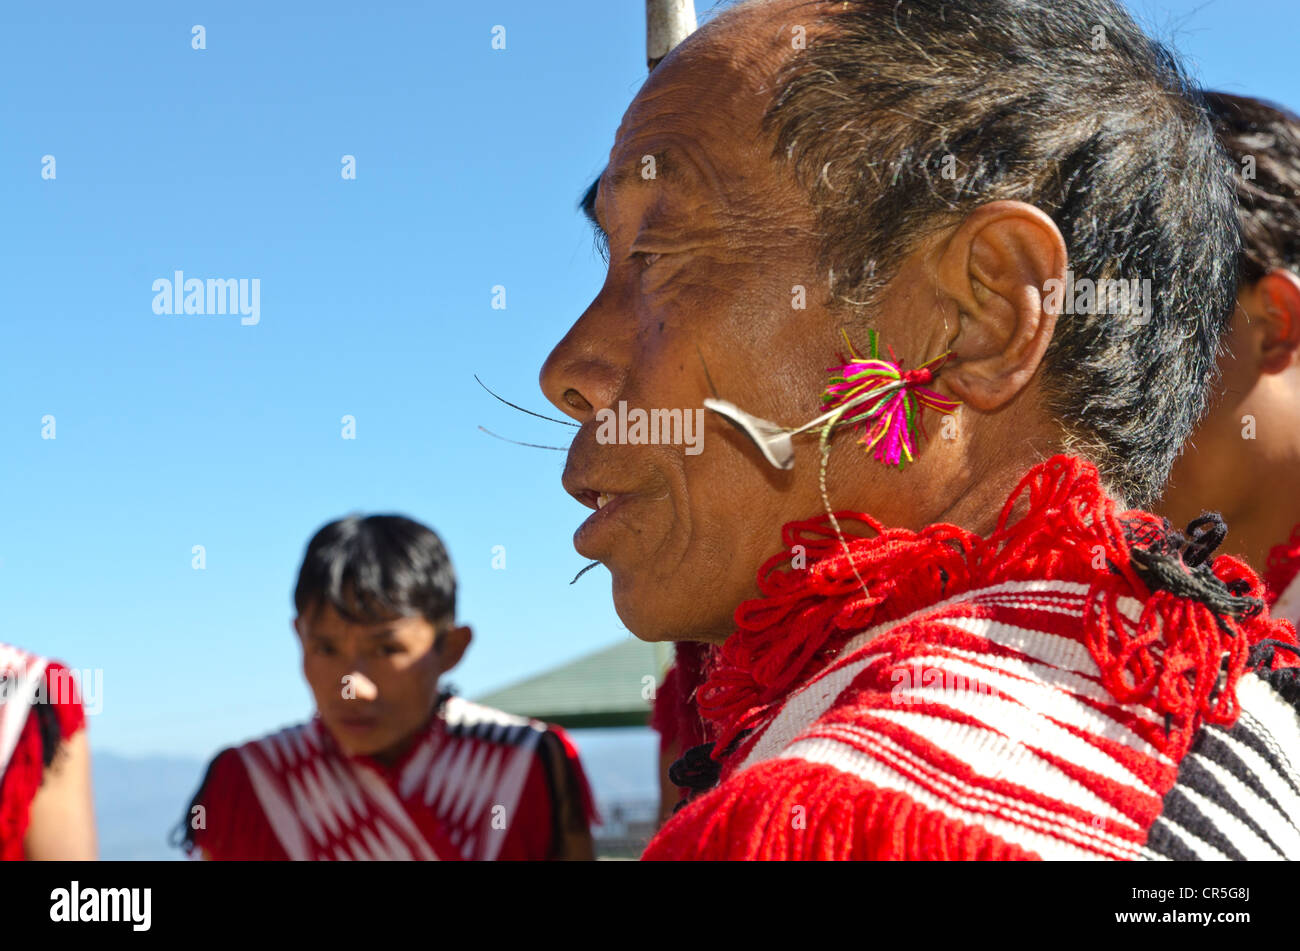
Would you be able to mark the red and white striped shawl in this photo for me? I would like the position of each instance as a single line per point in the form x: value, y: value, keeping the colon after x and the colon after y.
x: 40, y: 706
x: 21, y: 677
x: 1003, y: 721
x: 455, y: 792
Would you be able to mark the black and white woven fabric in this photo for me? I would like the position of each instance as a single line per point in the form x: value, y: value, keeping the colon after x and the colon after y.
x: 1238, y: 791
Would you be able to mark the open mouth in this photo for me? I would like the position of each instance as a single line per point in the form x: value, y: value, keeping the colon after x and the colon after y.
x: 594, y: 498
x: 591, y: 538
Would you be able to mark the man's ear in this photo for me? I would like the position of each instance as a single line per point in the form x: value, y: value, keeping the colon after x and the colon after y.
x: 1277, y: 296
x: 450, y: 645
x: 299, y: 627
x: 998, y: 270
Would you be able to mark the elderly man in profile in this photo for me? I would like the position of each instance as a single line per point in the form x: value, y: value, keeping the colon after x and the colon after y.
x: 974, y: 644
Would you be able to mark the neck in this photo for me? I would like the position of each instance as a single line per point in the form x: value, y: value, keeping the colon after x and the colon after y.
x: 984, y: 492
x: 998, y: 449
x: 1244, y: 463
x: 394, y: 753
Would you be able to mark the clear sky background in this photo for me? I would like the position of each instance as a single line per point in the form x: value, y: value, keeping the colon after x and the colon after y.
x: 376, y: 300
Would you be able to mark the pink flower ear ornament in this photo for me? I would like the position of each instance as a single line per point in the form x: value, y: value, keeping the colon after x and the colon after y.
x: 875, y: 395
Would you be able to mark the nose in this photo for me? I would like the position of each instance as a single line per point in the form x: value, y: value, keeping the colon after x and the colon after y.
x: 586, y: 370
x: 357, y: 686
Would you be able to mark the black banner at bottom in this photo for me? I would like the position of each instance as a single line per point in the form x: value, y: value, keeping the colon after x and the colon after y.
x: 135, y: 900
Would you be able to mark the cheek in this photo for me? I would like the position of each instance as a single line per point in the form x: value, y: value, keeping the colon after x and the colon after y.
x: 409, y: 682
x: 730, y: 522
x: 321, y: 675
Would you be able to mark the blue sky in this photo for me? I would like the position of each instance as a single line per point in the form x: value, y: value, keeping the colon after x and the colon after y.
x: 176, y: 431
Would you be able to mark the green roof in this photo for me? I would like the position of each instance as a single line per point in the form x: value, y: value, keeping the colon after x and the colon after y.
x: 606, y: 688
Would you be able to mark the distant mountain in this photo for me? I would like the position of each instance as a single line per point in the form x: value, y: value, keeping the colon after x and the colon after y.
x: 139, y: 800
x: 621, y: 764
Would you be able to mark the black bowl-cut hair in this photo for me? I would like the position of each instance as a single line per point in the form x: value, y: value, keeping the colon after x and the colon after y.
x: 376, y: 568
x: 1263, y: 141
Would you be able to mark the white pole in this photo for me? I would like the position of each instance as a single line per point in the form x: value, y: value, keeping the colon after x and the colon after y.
x: 667, y: 23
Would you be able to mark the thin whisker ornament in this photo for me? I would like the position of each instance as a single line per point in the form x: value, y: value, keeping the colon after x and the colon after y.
x: 530, y: 445
x: 707, y: 376
x: 549, y: 419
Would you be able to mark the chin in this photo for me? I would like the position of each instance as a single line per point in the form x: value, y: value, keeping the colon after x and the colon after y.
x: 354, y: 745
x: 650, y: 615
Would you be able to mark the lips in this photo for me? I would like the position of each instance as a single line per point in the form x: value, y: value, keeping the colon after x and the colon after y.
x: 607, y: 500
x: 356, y: 724
x: 592, y: 539
x: 596, y: 499
x: 594, y: 491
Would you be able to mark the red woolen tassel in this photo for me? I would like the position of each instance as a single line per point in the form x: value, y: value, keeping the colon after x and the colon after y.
x: 791, y: 810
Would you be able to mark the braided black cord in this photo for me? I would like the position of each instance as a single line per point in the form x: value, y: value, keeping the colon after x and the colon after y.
x: 698, y: 771
x: 1167, y: 560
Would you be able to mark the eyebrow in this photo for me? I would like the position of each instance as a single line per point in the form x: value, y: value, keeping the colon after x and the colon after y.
x: 666, y: 167
x: 382, y: 634
x: 588, y: 205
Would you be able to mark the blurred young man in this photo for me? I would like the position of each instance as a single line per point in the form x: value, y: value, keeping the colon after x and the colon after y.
x: 46, y: 810
x: 1236, y: 795
x: 390, y: 768
x: 1244, y: 460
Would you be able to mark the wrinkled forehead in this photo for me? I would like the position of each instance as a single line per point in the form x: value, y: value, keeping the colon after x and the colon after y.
x: 699, y: 114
